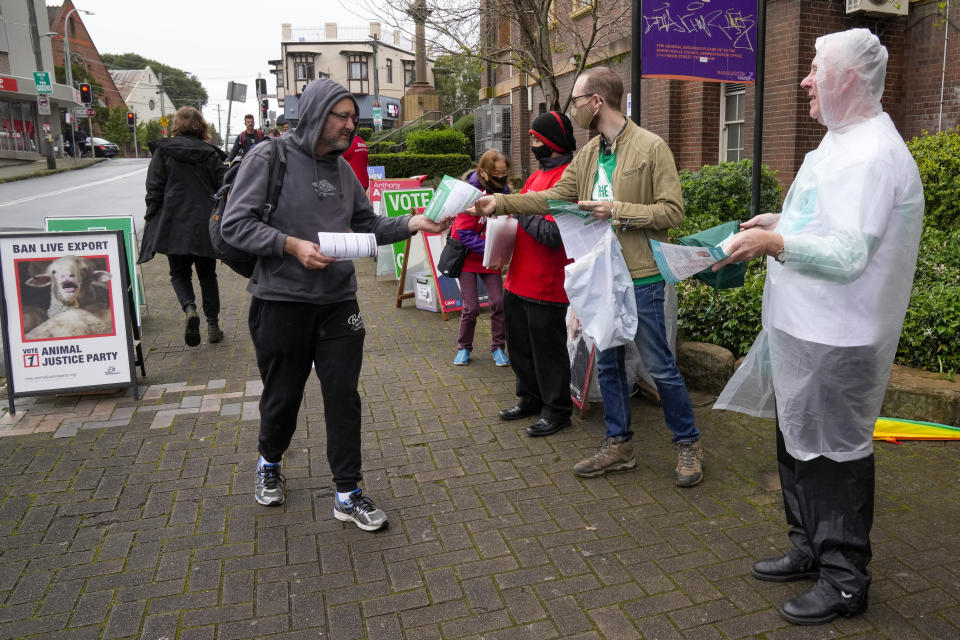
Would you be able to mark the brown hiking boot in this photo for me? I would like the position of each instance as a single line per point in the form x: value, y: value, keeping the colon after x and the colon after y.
x: 214, y: 334
x: 613, y: 455
x: 689, y: 471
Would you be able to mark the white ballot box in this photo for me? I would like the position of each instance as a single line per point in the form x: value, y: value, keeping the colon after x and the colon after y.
x: 426, y: 293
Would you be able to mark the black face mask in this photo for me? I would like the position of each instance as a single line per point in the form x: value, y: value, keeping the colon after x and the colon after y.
x: 495, y: 184
x: 542, y: 152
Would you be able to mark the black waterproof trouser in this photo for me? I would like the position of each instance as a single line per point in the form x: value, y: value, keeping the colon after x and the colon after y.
x: 290, y: 336
x: 537, y: 344
x: 829, y: 507
x: 181, y: 277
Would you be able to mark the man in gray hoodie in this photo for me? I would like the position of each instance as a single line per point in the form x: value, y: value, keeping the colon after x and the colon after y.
x: 304, y: 310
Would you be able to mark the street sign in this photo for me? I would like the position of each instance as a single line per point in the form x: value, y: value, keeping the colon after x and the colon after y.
x: 236, y: 92
x: 80, y: 111
x: 163, y: 131
x: 46, y: 127
x: 164, y: 121
x: 378, y: 116
x: 43, y: 105
x: 91, y: 112
x: 42, y: 80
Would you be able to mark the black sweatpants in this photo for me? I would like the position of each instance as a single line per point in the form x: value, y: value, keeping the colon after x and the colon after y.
x: 181, y: 277
x: 288, y: 337
x: 537, y: 344
x: 829, y: 507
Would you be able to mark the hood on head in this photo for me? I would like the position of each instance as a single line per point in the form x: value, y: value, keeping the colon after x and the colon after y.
x: 851, y: 71
x: 315, y: 104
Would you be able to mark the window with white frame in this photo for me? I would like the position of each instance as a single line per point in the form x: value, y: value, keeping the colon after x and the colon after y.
x: 389, y: 71
x: 303, y: 68
x: 732, y: 121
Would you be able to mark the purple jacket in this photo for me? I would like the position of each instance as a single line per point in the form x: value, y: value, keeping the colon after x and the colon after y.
x: 471, y: 240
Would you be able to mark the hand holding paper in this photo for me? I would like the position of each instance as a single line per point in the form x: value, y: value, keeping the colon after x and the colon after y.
x: 451, y: 197
x: 678, y: 262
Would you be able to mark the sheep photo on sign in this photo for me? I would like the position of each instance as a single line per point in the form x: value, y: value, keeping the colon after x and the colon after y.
x: 66, y: 313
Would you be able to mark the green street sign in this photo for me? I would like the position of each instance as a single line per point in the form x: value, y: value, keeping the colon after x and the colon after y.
x: 377, y: 116
x: 42, y: 80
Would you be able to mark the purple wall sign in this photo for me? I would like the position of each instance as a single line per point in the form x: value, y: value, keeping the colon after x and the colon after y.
x: 710, y: 40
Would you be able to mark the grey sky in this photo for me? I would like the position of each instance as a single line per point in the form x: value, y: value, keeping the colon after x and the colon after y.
x: 215, y: 40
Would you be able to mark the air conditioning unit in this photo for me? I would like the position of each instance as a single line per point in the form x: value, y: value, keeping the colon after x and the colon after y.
x: 885, y: 7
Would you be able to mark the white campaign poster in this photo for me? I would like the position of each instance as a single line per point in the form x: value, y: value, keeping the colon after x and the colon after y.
x: 66, y: 321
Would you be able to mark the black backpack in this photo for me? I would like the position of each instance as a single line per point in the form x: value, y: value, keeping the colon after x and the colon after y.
x: 237, y: 259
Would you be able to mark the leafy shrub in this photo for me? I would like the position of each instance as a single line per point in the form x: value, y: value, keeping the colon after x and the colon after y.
x: 719, y: 193
x: 365, y: 132
x: 465, y: 126
x: 401, y: 165
x: 437, y: 142
x: 938, y: 159
x: 730, y: 319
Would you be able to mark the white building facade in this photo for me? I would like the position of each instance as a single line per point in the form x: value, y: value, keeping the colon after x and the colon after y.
x: 140, y: 90
x: 368, y: 63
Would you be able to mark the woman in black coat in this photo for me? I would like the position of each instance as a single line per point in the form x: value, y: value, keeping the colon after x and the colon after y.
x: 184, y: 173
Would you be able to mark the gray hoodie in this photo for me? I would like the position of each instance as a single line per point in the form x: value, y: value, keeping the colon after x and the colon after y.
x: 320, y: 193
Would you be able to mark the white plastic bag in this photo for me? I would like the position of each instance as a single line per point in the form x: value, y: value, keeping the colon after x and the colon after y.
x: 601, y: 294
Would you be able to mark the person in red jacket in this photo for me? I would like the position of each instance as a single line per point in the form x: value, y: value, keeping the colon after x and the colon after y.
x: 357, y: 155
x: 535, y: 303
x: 491, y: 176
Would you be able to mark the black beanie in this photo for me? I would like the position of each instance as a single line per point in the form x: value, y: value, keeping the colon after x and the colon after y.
x: 554, y: 130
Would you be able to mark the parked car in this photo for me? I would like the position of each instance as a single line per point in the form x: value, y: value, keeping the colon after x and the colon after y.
x: 104, y: 148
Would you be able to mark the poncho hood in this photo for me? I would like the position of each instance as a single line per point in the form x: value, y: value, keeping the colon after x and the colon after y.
x: 851, y: 71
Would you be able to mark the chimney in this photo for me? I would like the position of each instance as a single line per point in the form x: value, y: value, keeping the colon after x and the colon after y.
x: 330, y: 31
x: 285, y: 30
x: 375, y: 29
x: 396, y: 37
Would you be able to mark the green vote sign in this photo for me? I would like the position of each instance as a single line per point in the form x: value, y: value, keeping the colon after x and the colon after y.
x: 108, y: 223
x: 400, y: 203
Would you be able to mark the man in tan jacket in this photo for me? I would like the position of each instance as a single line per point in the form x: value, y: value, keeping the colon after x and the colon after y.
x: 625, y: 175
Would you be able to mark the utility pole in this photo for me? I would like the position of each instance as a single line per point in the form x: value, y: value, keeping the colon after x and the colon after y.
x: 35, y: 37
x: 161, y: 92
x: 219, y: 123
x: 376, y: 83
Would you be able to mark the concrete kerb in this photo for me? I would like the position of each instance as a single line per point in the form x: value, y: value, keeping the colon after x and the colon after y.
x: 38, y: 169
x: 911, y: 394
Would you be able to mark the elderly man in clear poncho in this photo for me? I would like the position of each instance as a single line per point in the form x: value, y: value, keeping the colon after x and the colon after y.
x: 839, y: 276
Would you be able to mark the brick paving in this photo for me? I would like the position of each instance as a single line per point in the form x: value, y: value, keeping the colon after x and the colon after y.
x: 135, y: 519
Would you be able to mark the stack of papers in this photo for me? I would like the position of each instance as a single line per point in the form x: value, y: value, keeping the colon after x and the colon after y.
x: 347, y: 246
x: 679, y: 262
x: 451, y: 197
x: 579, y: 230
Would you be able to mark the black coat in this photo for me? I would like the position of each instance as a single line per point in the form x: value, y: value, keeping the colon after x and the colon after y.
x: 184, y: 174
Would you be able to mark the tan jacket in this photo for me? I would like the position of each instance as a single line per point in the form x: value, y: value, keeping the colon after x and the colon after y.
x: 646, y: 190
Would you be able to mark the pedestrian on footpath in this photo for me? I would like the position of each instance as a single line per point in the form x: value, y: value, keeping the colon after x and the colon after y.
x: 185, y: 171
x: 304, y: 310
x: 839, y: 277
x: 490, y: 176
x: 625, y: 175
x: 535, y: 304
x: 246, y: 140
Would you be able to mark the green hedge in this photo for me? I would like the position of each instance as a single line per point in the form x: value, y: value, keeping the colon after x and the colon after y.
x: 401, y: 165
x: 365, y: 132
x: 931, y: 331
x: 435, y: 142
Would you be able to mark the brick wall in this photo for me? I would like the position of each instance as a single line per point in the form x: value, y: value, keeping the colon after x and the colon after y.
x: 924, y: 42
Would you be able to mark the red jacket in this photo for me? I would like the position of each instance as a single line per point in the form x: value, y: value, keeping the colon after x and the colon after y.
x: 477, y: 225
x: 536, y: 271
x: 357, y: 155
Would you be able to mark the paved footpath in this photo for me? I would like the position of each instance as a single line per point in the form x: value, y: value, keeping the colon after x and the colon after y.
x: 136, y: 519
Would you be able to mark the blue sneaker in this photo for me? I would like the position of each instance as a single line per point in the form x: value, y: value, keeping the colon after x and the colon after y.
x: 463, y: 357
x: 500, y: 358
x: 268, y: 488
x: 360, y: 510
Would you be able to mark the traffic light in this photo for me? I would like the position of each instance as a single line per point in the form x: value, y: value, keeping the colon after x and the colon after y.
x: 264, y: 108
x: 86, y: 95
x: 131, y: 120
x: 261, y: 86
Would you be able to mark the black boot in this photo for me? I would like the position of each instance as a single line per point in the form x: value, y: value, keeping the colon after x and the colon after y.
x: 823, y: 603
x: 191, y: 334
x: 214, y: 334
x: 795, y: 565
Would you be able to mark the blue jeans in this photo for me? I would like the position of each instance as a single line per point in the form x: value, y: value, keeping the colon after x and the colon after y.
x: 651, y: 340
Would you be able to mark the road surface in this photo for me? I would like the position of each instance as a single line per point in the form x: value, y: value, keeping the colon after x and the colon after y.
x: 115, y: 187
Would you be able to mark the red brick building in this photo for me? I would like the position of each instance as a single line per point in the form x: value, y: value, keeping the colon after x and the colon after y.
x: 707, y: 122
x: 82, y: 50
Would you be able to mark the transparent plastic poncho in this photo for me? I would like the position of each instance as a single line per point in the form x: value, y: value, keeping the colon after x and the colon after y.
x: 833, y: 311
